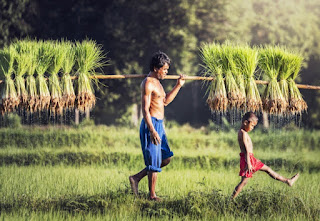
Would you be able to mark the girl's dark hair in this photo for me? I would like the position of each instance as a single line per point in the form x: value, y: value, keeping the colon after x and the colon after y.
x: 249, y: 116
x: 158, y: 60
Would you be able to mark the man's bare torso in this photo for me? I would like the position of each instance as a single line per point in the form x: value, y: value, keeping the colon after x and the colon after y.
x: 157, y: 98
x: 245, y: 142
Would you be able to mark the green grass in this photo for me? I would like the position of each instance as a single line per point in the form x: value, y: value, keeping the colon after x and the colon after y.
x: 185, y: 192
x: 82, y: 174
x: 186, y: 137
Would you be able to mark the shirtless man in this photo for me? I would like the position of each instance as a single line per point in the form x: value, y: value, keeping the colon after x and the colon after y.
x: 155, y: 148
x: 248, y: 163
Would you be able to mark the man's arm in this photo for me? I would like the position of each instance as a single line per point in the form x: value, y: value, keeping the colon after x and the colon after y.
x: 173, y: 93
x: 146, y: 93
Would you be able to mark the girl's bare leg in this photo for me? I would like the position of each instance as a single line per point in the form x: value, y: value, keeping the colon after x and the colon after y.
x: 237, y: 190
x: 277, y: 176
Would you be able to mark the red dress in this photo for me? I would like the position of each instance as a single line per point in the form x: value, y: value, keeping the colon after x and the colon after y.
x: 256, y: 165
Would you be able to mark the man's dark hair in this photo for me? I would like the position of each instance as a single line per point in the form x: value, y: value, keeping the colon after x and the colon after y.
x: 158, y: 60
x: 249, y: 116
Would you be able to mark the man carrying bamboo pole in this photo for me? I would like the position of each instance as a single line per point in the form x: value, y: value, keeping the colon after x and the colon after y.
x: 155, y: 148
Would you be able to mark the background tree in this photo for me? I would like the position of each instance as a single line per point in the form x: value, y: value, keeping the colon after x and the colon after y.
x: 13, y: 14
x: 131, y: 31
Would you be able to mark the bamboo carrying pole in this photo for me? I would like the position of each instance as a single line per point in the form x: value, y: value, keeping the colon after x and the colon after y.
x: 193, y: 78
x: 174, y: 77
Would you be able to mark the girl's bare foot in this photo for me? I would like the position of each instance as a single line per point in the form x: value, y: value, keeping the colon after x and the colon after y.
x: 134, y: 185
x: 293, y: 179
x: 157, y: 199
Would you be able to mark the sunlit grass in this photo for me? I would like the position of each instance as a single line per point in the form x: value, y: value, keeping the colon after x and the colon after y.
x: 39, y: 188
x: 89, y: 181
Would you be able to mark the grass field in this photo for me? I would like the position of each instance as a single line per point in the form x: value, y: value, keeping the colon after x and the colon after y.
x: 82, y: 174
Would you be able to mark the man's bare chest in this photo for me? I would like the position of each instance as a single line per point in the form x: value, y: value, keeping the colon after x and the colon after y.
x: 158, y: 92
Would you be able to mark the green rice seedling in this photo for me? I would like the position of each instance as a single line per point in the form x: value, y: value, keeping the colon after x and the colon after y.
x: 89, y: 57
x: 210, y: 56
x: 247, y: 61
x: 296, y: 102
x: 23, y: 61
x: 239, y: 77
x: 31, y: 104
x: 284, y: 73
x: 9, y: 98
x: 291, y: 62
x: 44, y: 59
x: 68, y: 94
x: 235, y: 98
x: 271, y: 63
x: 56, y: 104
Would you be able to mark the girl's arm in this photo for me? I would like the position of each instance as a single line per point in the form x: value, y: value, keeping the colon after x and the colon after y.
x: 247, y: 148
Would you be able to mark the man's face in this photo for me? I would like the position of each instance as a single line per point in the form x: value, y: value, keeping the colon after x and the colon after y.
x: 249, y: 125
x: 162, y: 72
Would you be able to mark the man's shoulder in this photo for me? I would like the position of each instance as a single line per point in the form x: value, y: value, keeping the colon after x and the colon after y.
x: 148, y: 83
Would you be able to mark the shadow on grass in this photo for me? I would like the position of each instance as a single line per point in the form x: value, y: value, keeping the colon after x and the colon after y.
x: 197, y: 204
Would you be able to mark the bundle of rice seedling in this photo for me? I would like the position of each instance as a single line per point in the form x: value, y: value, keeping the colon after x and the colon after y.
x: 247, y: 61
x: 235, y: 97
x: 44, y: 59
x: 56, y: 103
x: 68, y: 94
x: 31, y: 104
x: 9, y: 98
x: 271, y: 63
x: 23, y: 61
x: 290, y: 62
x: 211, y: 56
x: 239, y: 77
x: 89, y: 57
x: 296, y: 102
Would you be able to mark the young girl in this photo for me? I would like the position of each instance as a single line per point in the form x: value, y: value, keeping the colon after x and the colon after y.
x: 249, y: 164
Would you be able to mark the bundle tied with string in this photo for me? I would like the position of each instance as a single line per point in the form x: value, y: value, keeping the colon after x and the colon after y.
x: 23, y: 61
x: 56, y: 103
x: 271, y: 63
x: 44, y: 60
x: 291, y: 61
x: 247, y: 61
x: 31, y: 104
x: 217, y: 98
x: 89, y: 57
x: 236, y: 99
x: 9, y: 98
x: 68, y: 94
x: 297, y: 105
x: 239, y: 76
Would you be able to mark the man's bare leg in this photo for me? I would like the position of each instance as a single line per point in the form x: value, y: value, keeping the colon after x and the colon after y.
x: 135, y: 179
x: 277, y: 176
x: 237, y: 190
x: 152, y: 178
x: 165, y: 162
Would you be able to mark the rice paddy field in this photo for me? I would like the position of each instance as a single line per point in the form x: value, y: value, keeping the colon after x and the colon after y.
x: 60, y: 173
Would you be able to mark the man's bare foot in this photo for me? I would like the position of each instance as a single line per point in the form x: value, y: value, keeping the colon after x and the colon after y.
x: 134, y: 185
x: 293, y: 179
x: 157, y: 199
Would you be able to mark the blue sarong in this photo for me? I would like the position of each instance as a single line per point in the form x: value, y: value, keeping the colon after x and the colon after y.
x: 154, y: 154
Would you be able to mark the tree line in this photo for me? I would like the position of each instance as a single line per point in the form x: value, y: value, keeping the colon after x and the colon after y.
x: 131, y: 31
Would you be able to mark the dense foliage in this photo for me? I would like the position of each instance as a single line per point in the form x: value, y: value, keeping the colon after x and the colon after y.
x: 131, y: 31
